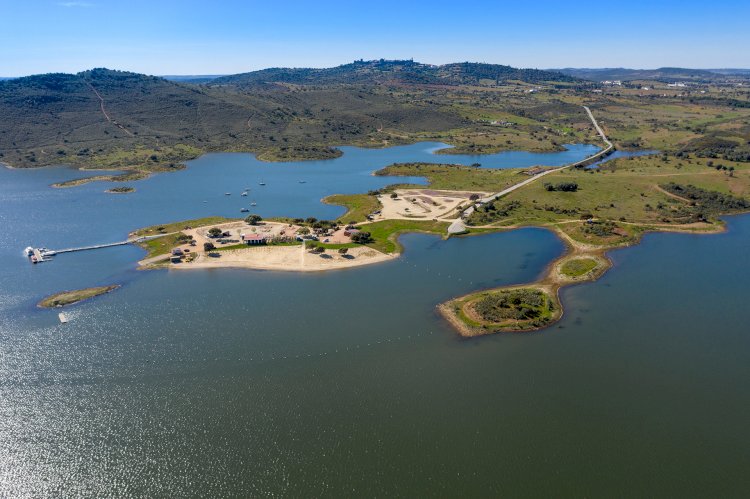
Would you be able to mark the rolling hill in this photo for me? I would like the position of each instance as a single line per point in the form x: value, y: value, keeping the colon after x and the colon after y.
x: 395, y: 72
x: 114, y: 119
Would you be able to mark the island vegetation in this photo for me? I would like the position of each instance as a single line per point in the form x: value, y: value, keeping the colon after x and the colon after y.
x: 121, y: 190
x: 577, y: 267
x: 70, y: 297
x: 513, y: 309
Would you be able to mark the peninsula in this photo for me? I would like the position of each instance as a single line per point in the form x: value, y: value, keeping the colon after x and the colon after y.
x: 671, y: 158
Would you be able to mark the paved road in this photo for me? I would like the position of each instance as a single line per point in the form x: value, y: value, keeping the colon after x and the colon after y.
x: 458, y: 226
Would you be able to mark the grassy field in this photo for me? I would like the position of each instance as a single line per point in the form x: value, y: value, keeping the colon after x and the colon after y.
x: 71, y: 297
x: 624, y: 190
x: 358, y: 206
x: 181, y: 225
x: 385, y: 233
x: 171, y: 234
x: 577, y: 267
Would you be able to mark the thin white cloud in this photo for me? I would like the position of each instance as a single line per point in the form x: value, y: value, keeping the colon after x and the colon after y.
x: 75, y: 4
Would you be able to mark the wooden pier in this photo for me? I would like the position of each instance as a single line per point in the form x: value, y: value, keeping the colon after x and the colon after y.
x: 97, y: 246
x: 36, y: 255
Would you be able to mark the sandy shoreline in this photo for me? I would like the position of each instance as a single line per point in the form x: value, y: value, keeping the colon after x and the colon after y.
x: 286, y: 258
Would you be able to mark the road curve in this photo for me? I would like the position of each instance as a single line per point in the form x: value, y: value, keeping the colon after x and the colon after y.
x: 458, y: 226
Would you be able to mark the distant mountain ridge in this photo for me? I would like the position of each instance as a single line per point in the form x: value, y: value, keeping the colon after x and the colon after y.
x: 626, y: 74
x: 190, y: 78
x: 394, y: 71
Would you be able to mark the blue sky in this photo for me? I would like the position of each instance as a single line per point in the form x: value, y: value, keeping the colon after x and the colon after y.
x: 230, y: 36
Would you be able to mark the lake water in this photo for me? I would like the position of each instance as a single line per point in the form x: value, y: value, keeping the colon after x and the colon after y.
x: 239, y: 382
x: 623, y: 154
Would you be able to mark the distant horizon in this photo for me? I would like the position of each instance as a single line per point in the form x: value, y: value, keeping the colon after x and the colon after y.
x: 178, y: 37
x: 217, y: 75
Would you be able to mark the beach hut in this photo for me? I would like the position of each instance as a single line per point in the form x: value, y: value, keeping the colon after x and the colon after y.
x: 253, y: 239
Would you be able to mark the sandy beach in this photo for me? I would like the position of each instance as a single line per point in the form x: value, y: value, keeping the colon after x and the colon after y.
x: 286, y: 258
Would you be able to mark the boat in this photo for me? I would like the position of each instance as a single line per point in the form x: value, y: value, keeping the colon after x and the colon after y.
x: 261, y: 183
x: 227, y: 193
x: 63, y: 318
x: 244, y: 193
x: 244, y: 210
x: 253, y: 204
x: 28, y: 251
x: 303, y: 181
x: 46, y: 252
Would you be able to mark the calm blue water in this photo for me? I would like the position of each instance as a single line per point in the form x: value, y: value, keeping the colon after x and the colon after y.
x: 511, y: 159
x: 622, y: 154
x: 35, y: 215
x: 246, y: 383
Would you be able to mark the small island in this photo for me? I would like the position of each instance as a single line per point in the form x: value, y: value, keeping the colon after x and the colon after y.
x: 511, y: 309
x: 120, y: 190
x: 70, y: 297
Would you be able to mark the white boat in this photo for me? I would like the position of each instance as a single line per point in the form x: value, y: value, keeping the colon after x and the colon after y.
x: 244, y: 210
x: 261, y: 183
x: 28, y: 251
x: 253, y: 204
x: 244, y: 194
x: 227, y: 193
x: 63, y: 318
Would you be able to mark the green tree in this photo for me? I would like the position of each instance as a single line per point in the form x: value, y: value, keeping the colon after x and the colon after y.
x: 208, y: 246
x: 215, y: 232
x: 253, y: 219
x: 362, y: 238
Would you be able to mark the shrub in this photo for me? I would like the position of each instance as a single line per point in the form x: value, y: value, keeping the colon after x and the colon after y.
x: 362, y: 238
x: 562, y: 187
x: 516, y: 304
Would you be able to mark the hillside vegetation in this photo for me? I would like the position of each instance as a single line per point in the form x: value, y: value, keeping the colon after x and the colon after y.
x: 117, y: 120
x: 114, y: 119
x: 403, y: 72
